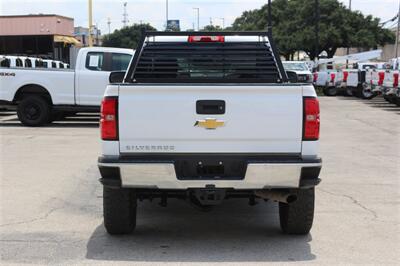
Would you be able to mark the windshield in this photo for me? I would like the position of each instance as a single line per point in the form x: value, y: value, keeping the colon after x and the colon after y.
x: 295, y: 66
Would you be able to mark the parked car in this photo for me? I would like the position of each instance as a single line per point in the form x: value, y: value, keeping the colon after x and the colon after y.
x: 301, y: 69
x: 326, y: 80
x: 42, y: 95
x: 390, y: 87
x: 200, y: 118
x: 351, y: 82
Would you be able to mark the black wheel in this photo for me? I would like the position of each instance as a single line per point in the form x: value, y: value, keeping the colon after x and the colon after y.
x: 349, y: 91
x: 297, y: 217
x: 367, y: 93
x: 34, y: 111
x: 119, y: 208
x: 330, y: 91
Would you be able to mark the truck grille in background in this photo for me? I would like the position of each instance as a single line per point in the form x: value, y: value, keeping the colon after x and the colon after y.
x: 174, y: 62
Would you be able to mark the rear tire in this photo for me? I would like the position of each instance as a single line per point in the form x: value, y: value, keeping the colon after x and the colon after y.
x: 297, y: 217
x: 119, y: 208
x: 330, y: 91
x: 34, y: 111
x: 349, y: 91
x: 366, y: 93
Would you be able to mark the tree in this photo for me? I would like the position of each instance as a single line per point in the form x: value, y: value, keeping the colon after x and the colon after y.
x: 127, y: 37
x: 294, y: 27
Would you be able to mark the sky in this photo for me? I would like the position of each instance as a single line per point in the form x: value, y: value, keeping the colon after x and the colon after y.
x: 154, y: 11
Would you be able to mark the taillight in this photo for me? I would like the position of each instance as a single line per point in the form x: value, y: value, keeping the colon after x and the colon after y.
x: 311, y: 118
x: 395, y: 80
x: 315, y: 77
x: 206, y: 39
x: 333, y: 75
x: 345, y: 76
x: 381, y: 76
x: 109, y: 118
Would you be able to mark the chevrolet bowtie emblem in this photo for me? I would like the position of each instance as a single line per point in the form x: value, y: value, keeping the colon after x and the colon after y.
x: 209, y: 123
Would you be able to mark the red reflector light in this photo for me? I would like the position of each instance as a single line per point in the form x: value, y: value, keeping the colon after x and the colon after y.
x: 381, y: 76
x: 109, y: 119
x: 311, y: 119
x: 395, y: 80
x: 333, y: 75
x: 345, y: 76
x: 315, y: 77
x: 206, y: 39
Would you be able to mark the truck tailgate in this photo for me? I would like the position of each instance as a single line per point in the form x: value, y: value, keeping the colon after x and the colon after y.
x: 257, y: 119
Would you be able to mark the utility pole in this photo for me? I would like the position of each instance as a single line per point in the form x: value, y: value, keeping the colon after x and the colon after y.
x: 198, y: 17
x: 109, y: 25
x: 166, y: 15
x: 223, y: 23
x: 211, y: 21
x: 348, y: 48
x: 125, y: 16
x: 397, y: 33
x: 90, y: 41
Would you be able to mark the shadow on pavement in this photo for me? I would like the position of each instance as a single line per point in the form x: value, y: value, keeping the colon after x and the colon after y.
x: 377, y: 102
x: 232, y: 232
x: 10, y: 119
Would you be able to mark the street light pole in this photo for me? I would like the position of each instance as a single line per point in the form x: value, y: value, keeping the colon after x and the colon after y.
x: 198, y: 17
x: 316, y: 29
x: 166, y: 14
x: 397, y: 33
x: 90, y: 41
x: 348, y: 48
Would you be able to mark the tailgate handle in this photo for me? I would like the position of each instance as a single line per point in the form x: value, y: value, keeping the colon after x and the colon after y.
x: 210, y: 107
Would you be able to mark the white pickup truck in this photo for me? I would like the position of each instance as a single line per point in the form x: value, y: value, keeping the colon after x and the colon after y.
x: 301, y: 69
x: 41, y: 95
x: 205, y: 117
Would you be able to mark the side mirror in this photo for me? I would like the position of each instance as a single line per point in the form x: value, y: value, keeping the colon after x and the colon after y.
x: 292, y: 76
x: 116, y: 77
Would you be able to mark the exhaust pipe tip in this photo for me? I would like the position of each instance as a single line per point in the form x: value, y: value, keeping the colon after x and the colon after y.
x: 280, y: 196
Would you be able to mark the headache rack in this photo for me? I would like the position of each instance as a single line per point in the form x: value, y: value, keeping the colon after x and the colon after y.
x: 166, y: 61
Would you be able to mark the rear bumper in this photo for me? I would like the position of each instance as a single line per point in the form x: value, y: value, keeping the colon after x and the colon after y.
x: 164, y: 172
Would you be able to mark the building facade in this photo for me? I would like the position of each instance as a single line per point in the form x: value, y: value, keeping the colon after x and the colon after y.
x: 46, y: 36
x: 82, y: 35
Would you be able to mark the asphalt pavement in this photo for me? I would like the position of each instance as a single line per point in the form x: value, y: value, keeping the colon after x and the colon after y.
x: 51, y: 201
